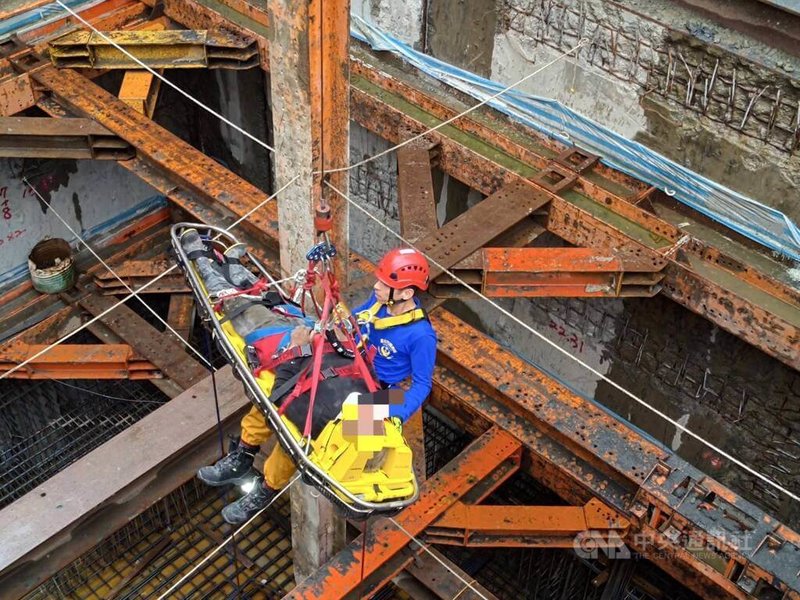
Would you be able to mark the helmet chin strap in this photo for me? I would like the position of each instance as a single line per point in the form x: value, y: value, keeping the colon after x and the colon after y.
x: 391, y: 300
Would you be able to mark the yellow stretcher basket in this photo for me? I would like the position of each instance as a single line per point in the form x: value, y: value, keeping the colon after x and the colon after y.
x: 376, y: 468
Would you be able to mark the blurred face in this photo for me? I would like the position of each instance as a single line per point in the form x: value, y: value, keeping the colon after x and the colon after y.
x: 382, y: 293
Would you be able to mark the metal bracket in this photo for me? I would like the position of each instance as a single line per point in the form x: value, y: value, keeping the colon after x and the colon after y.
x: 555, y: 178
x: 577, y: 160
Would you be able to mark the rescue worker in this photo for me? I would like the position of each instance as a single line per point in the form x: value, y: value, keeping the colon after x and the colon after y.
x: 405, y: 342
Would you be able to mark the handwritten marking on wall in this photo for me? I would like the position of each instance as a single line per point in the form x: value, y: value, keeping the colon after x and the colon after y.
x: 572, y: 339
x: 4, y: 205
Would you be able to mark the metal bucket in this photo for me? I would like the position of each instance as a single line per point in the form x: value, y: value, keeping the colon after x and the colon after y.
x: 52, y: 267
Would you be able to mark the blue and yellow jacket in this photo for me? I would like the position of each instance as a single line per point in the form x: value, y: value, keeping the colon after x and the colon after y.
x: 402, y: 350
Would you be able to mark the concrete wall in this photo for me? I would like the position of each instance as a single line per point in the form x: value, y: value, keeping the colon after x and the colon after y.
x: 634, y: 79
x: 92, y: 196
x: 405, y: 20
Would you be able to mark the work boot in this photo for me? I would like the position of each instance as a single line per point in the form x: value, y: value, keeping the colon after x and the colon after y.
x: 216, y: 279
x: 248, y: 505
x: 191, y: 241
x: 236, y: 251
x: 233, y: 468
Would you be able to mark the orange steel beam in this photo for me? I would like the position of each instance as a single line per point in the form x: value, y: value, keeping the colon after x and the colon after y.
x: 165, y: 153
x: 181, y: 314
x: 692, y: 573
x: 487, y: 153
x: 140, y: 89
x: 580, y: 451
x: 485, y: 221
x: 492, y: 526
x: 160, y: 348
x: 752, y: 306
x: 17, y: 91
x: 566, y: 272
x: 77, y: 361
x: 470, y: 470
x: 329, y: 59
x: 107, y: 15
x: 569, y: 483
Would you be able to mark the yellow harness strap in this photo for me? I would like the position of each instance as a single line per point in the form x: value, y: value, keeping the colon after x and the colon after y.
x: 368, y: 316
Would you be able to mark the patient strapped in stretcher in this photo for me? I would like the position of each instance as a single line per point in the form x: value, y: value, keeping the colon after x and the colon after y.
x: 277, y: 337
x: 352, y: 440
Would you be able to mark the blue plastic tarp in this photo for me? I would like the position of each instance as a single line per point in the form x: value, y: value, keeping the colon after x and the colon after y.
x: 761, y: 223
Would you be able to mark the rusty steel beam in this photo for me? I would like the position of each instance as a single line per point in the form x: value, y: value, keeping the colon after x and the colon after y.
x: 181, y: 314
x: 136, y: 273
x: 196, y: 204
x: 77, y: 361
x: 171, y: 284
x: 554, y: 272
x: 587, y: 214
x: 95, y: 496
x: 139, y: 90
x: 162, y: 349
x: 106, y: 16
x: 471, y: 230
x: 445, y: 579
x: 17, y: 94
x: 415, y: 191
x: 567, y: 485
x: 46, y: 137
x: 493, y: 526
x: 580, y: 451
x: 342, y: 576
x: 184, y: 170
x: 171, y: 49
x: 487, y: 153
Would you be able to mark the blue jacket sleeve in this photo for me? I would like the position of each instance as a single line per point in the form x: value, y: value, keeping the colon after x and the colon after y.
x: 423, y: 359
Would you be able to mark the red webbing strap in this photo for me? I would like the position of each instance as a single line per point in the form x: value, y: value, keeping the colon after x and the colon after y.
x: 285, y: 356
x: 315, y: 377
x: 332, y: 291
x: 258, y: 287
x: 303, y: 384
x: 318, y: 352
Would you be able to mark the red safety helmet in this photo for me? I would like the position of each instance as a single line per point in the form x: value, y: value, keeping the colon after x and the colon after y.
x: 403, y: 267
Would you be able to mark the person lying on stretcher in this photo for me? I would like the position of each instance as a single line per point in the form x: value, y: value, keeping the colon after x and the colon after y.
x: 398, y: 329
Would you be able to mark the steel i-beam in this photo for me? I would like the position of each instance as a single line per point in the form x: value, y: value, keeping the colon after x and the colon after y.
x: 157, y: 49
x: 76, y: 361
x: 44, y: 137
